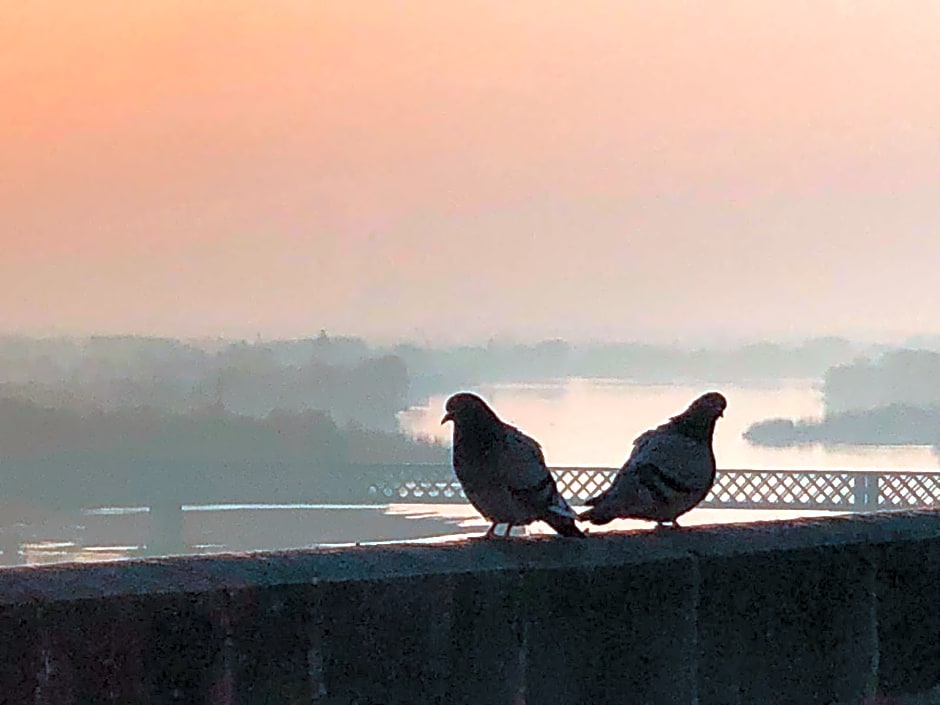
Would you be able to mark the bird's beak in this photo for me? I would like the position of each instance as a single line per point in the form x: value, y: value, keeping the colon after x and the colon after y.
x: 447, y: 417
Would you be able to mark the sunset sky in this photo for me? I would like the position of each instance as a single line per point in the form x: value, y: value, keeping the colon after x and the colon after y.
x: 445, y: 171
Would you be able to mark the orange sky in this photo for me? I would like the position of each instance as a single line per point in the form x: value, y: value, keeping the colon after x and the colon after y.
x: 608, y: 169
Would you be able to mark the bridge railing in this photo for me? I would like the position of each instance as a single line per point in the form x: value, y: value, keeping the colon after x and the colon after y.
x: 840, y: 490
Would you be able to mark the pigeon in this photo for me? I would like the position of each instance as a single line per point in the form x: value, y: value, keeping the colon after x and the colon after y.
x: 502, y: 470
x: 670, y: 470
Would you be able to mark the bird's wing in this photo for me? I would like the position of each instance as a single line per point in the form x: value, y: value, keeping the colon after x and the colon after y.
x: 679, y: 463
x: 624, y: 475
x: 682, y: 463
x: 522, y: 466
x: 666, y: 474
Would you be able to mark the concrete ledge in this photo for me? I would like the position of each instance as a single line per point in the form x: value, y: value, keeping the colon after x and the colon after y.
x: 812, y: 611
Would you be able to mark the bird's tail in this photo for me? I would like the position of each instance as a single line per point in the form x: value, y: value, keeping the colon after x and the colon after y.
x: 563, y: 525
x: 596, y: 515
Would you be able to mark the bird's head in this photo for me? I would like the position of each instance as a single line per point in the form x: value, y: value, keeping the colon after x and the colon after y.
x: 465, y: 408
x: 698, y: 421
x: 710, y: 405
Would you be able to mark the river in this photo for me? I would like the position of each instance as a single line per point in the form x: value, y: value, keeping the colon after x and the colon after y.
x: 580, y: 422
x: 591, y: 422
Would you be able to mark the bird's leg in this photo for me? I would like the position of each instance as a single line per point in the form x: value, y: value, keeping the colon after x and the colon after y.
x: 491, y: 532
x: 508, y: 531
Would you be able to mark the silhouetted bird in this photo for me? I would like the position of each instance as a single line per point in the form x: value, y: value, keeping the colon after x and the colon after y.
x: 670, y: 470
x: 503, y: 471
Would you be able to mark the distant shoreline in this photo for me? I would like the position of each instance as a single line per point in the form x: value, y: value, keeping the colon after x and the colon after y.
x: 893, y: 425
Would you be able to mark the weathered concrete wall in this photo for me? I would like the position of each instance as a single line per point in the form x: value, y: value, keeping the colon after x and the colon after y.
x: 816, y: 611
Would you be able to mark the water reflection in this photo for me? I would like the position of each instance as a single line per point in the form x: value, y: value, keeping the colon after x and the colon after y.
x: 114, y: 533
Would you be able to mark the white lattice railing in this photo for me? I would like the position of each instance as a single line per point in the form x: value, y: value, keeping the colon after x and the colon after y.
x: 733, y: 489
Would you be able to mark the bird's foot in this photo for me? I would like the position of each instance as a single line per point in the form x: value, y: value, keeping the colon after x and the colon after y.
x: 491, y: 532
x: 667, y: 525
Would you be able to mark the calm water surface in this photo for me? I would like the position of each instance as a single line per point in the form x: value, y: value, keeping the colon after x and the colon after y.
x: 582, y: 422
x: 120, y: 533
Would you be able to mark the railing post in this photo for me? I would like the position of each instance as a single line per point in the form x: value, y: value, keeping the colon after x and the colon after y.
x: 166, y: 528
x: 873, y: 489
x: 10, y: 543
x: 865, y: 491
